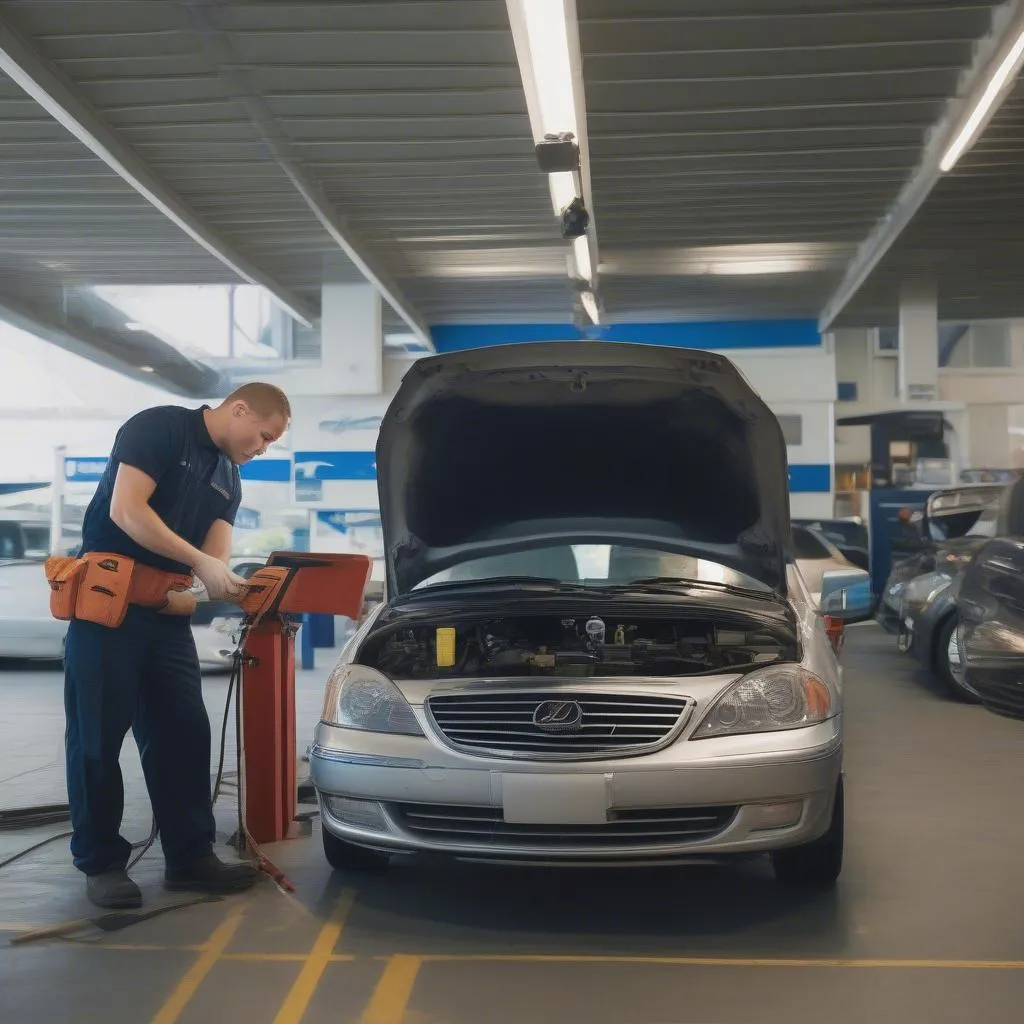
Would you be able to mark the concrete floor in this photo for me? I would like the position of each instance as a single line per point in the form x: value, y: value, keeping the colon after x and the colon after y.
x: 925, y: 927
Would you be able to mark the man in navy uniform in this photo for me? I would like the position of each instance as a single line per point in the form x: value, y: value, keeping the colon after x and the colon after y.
x: 167, y: 499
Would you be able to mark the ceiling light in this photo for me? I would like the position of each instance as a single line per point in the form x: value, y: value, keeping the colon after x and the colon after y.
x: 563, y: 189
x: 589, y: 303
x: 133, y: 325
x: 146, y: 369
x: 581, y: 254
x: 549, y: 62
x: 1008, y: 68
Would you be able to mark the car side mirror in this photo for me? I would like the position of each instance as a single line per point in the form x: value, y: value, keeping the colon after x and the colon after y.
x: 846, y: 595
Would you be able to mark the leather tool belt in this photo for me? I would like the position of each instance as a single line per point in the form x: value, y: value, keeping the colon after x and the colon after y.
x: 99, y: 587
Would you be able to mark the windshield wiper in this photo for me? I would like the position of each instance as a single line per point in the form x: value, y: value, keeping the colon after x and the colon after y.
x: 500, y: 580
x: 675, y: 582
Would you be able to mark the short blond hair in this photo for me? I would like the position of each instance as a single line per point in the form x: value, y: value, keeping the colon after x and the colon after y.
x: 263, y: 399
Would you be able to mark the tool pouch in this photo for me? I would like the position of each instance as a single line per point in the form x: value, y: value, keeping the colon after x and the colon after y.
x: 152, y: 588
x: 64, y: 574
x: 105, y: 590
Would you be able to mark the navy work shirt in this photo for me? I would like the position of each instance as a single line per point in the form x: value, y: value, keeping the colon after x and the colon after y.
x: 196, y: 483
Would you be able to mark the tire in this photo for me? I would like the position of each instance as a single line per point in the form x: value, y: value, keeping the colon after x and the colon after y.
x: 815, y: 865
x: 942, y: 660
x: 343, y: 856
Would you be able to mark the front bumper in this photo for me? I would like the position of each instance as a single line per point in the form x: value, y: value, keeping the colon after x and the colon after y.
x: 403, y: 795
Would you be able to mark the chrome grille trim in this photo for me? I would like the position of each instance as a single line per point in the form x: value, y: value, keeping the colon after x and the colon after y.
x: 468, y: 825
x: 500, y: 724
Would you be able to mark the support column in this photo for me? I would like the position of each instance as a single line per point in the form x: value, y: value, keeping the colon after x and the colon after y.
x: 351, y: 340
x: 918, y: 369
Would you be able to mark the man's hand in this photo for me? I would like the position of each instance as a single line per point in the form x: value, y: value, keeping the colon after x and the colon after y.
x: 220, y: 582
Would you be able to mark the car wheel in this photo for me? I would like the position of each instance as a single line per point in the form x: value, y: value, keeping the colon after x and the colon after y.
x: 344, y: 856
x: 948, y: 663
x: 815, y: 865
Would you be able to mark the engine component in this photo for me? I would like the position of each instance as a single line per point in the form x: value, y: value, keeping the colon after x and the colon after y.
x: 540, y: 645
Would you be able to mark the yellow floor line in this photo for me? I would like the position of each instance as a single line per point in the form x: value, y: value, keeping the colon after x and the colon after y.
x: 695, y: 961
x: 282, y: 958
x: 213, y: 950
x: 295, y: 1003
x: 391, y: 997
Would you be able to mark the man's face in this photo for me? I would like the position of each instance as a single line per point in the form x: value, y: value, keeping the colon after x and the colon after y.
x: 250, y: 435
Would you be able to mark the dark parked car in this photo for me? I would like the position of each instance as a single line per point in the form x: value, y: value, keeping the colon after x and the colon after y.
x: 990, y: 607
x: 954, y: 525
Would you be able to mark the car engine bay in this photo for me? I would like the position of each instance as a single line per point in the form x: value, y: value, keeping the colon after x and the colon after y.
x: 551, y: 645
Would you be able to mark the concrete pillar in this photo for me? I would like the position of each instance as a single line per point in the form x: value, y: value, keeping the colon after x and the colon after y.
x: 918, y: 361
x: 989, y: 436
x: 351, y: 340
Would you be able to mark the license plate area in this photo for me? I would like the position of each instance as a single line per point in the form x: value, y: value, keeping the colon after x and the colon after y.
x: 555, y: 799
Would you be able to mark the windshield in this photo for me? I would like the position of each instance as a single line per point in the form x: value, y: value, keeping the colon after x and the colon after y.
x: 597, y: 565
x: 986, y: 524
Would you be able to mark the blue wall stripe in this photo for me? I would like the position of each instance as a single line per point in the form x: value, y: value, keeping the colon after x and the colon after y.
x: 335, y: 466
x: 278, y: 471
x: 683, y: 334
x: 810, y: 479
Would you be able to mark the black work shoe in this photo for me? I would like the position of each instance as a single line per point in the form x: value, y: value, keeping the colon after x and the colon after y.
x: 114, y: 890
x: 210, y: 874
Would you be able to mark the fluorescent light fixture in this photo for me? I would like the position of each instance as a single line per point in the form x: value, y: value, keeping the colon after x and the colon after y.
x: 134, y: 325
x: 146, y: 369
x: 589, y: 303
x: 744, y: 260
x: 563, y: 189
x: 1008, y: 68
x: 581, y: 254
x: 549, y: 62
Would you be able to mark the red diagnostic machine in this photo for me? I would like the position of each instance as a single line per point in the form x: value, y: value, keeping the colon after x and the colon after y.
x: 292, y: 583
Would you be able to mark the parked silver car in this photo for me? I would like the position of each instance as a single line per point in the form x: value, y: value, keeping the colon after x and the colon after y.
x: 597, y: 647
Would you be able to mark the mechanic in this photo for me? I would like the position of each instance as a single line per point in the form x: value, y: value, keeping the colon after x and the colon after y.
x: 167, y: 500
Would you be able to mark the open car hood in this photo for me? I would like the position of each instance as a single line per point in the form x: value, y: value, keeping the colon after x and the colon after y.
x: 500, y: 449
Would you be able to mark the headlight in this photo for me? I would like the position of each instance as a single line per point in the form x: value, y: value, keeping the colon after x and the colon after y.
x: 923, y: 590
x: 358, y: 697
x: 768, y: 700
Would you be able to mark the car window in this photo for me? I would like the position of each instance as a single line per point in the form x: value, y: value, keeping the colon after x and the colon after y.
x: 806, y: 545
x: 594, y: 565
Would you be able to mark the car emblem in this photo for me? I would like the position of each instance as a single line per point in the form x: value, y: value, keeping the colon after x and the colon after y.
x: 558, y: 716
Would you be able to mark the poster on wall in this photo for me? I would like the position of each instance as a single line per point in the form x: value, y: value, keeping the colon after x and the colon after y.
x: 350, y: 531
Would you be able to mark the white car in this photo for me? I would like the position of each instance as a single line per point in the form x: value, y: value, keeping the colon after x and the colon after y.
x: 29, y: 631
x: 549, y: 681
x: 815, y: 556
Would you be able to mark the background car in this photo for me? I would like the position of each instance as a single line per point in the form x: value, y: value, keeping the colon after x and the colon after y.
x: 815, y: 556
x: 990, y: 610
x: 29, y: 631
x: 848, y: 536
x: 953, y: 526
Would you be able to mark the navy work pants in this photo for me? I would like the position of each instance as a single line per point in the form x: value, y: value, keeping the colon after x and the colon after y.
x: 142, y: 676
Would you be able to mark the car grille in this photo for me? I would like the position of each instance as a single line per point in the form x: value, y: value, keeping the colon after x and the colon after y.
x: 586, y: 725
x: 443, y: 823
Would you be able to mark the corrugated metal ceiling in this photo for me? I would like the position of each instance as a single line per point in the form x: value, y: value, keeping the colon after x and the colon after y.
x: 712, y: 124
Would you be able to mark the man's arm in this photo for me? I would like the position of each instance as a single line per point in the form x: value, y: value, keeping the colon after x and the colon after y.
x: 130, y: 510
x: 218, y: 540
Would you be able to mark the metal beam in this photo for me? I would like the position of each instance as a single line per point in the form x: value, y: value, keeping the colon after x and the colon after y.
x: 56, y: 94
x: 84, y: 334
x: 1007, y: 26
x: 231, y: 72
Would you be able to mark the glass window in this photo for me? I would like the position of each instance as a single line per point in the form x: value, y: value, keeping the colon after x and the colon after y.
x: 595, y: 565
x: 807, y: 545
